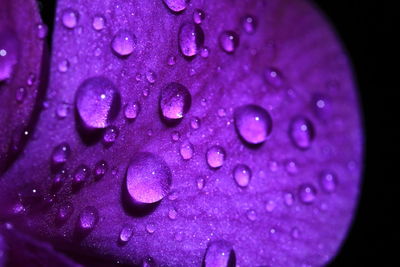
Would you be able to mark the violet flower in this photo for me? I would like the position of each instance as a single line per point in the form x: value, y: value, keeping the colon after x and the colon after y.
x: 175, y: 133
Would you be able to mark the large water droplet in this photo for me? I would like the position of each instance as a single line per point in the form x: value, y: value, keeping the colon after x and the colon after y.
x: 148, y: 178
x: 242, y: 175
x: 186, y: 150
x: 328, y: 181
x: 8, y: 54
x: 249, y: 24
x: 216, y: 156
x: 176, y: 5
x: 229, y: 41
x: 60, y: 154
x: 98, y: 23
x: 131, y: 110
x: 219, y: 253
x: 123, y: 43
x: 97, y: 102
x: 198, y: 16
x: 69, y: 18
x: 307, y: 193
x: 88, y: 219
x: 126, y: 234
x: 253, y: 123
x: 302, y: 132
x: 191, y: 38
x: 175, y: 101
x: 64, y: 212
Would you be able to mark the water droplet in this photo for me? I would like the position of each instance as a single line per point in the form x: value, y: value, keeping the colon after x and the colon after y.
x: 191, y: 38
x: 171, y: 60
x: 291, y: 167
x: 88, y: 219
x: 195, y: 123
x: 295, y: 233
x: 200, y: 182
x: 251, y: 215
x: 58, y: 180
x: 8, y: 54
x: 63, y: 65
x: 100, y: 169
x: 31, y: 79
x: 219, y: 253
x: 253, y: 123
x: 126, y: 234
x: 123, y: 43
x: 97, y: 102
x: 307, y: 193
x: 131, y: 110
x: 150, y: 228
x: 110, y: 135
x: 328, y: 181
x: 221, y: 112
x: 216, y: 156
x: 148, y: 178
x: 98, y: 23
x: 41, y: 31
x: 229, y: 41
x: 80, y: 175
x: 62, y: 110
x: 176, y: 5
x: 204, y: 52
x: 175, y: 101
x: 60, y: 154
x: 242, y: 175
x: 173, y: 196
x: 146, y: 92
x: 198, y: 16
x: 273, y: 77
x: 64, y: 212
x: 302, y: 132
x: 270, y: 206
x: 172, y: 213
x: 320, y: 106
x: 288, y: 198
x: 20, y: 94
x: 70, y: 18
x: 151, y: 76
x: 186, y: 150
x: 249, y: 24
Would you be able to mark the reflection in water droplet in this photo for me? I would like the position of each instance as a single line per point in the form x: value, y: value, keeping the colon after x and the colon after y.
x: 110, y: 135
x: 69, y: 18
x: 191, y: 38
x: 123, y: 43
x: 131, y: 110
x: 198, y: 16
x: 126, y: 234
x: 97, y: 102
x: 229, y: 41
x: 98, y: 23
x: 88, y: 219
x: 219, y: 253
x: 249, y: 24
x: 216, y: 156
x: 302, y: 132
x: 307, y: 193
x: 60, y: 154
x: 328, y: 181
x: 176, y: 5
x: 242, y: 175
x: 186, y: 150
x: 175, y: 101
x: 253, y: 123
x: 148, y: 178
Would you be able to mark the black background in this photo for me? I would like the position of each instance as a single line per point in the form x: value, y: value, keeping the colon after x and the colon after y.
x: 367, y: 29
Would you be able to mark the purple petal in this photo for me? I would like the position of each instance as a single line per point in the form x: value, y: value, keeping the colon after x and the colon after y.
x: 281, y: 209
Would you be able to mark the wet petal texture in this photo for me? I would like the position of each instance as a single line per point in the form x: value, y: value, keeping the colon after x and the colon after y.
x: 301, y: 123
x: 21, y: 55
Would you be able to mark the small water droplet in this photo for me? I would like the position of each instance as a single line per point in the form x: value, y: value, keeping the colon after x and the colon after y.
x: 176, y: 5
x: 148, y: 178
x: 253, y: 123
x: 191, y: 38
x: 81, y: 174
x: 288, y: 199
x: 126, y: 234
x: 171, y: 60
x: 59, y: 179
x: 242, y: 175
x: 151, y: 76
x: 60, y: 154
x: 123, y: 43
x: 249, y: 24
x: 98, y: 23
x: 204, y: 52
x: 221, y: 112
x: 63, y: 66
x: 175, y: 136
x: 195, y: 123
x: 64, y: 212
x: 302, y: 132
x: 8, y: 54
x: 216, y: 156
x: 307, y: 193
x: 175, y: 101
x: 69, y: 18
x: 41, y: 31
x: 150, y: 228
x: 320, y: 106
x: 100, y: 169
x: 31, y: 79
x: 62, y: 110
x: 20, y: 94
x: 273, y: 77
x: 291, y: 167
x: 251, y: 215
x: 172, y: 213
x: 88, y: 219
x: 146, y: 92
x: 97, y: 102
x: 328, y: 181
x: 200, y: 182
x: 270, y: 206
x: 198, y: 16
x: 229, y: 41
x: 131, y: 110
x: 295, y: 233
x: 186, y: 150
x: 110, y: 135
x: 219, y: 253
